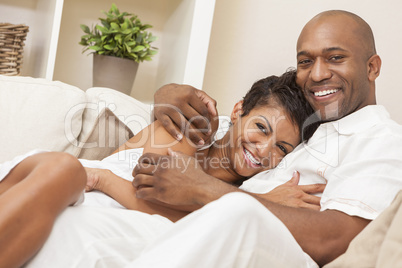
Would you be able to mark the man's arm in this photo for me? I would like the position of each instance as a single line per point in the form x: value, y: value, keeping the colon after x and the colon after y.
x: 323, y: 235
x: 176, y: 105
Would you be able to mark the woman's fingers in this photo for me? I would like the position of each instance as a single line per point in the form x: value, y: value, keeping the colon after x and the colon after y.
x: 308, y: 188
x: 311, y: 206
x: 313, y: 188
x: 311, y: 199
x: 295, y: 178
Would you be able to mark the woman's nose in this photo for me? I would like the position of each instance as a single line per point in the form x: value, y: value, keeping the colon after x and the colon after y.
x: 264, y: 149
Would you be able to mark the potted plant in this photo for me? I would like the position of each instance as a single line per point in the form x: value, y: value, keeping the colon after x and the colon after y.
x: 118, y: 45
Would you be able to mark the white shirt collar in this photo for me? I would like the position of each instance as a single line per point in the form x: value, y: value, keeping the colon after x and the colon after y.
x: 360, y: 120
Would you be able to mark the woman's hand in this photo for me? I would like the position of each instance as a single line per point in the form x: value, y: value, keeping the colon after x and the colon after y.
x: 184, y: 108
x: 294, y: 195
x: 95, y: 178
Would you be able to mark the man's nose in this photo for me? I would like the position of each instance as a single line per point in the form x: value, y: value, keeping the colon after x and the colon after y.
x: 320, y: 71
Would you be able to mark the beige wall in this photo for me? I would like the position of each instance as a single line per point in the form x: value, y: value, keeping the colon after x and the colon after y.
x: 75, y: 68
x: 252, y: 39
x: 182, y: 27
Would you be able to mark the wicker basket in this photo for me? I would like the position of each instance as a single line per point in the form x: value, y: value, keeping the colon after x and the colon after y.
x: 11, y: 47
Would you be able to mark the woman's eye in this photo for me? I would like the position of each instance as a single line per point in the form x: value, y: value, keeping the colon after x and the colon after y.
x: 262, y: 128
x: 282, y: 148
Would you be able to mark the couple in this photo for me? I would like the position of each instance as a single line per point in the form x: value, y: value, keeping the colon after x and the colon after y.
x: 357, y: 151
x: 266, y: 125
x: 336, y: 68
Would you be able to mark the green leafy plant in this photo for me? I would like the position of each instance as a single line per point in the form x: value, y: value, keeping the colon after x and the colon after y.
x: 120, y: 35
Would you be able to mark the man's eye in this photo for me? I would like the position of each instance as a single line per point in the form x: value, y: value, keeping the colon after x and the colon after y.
x: 304, y: 62
x: 336, y: 58
x: 282, y: 148
x: 262, y: 128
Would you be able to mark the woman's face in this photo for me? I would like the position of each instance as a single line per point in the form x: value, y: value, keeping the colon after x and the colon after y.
x: 261, y: 139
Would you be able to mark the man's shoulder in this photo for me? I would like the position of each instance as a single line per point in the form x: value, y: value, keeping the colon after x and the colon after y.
x: 370, y: 120
x: 385, y: 125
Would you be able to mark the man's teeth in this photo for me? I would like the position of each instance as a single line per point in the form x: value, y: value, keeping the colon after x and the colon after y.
x: 251, y: 158
x: 325, y: 92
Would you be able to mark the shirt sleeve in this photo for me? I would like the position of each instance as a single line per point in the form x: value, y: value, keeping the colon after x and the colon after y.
x: 368, y: 178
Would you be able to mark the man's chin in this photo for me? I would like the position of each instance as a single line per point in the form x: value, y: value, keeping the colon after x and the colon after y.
x: 329, y: 118
x: 329, y: 112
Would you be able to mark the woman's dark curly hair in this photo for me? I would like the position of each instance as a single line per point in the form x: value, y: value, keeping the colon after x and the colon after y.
x: 284, y: 91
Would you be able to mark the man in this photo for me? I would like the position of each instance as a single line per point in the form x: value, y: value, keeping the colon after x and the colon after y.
x: 357, y: 151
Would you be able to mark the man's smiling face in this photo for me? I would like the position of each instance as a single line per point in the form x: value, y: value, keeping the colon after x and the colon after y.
x: 333, y: 66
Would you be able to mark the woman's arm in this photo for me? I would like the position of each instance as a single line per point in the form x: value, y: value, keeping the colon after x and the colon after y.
x: 155, y: 139
x: 123, y: 192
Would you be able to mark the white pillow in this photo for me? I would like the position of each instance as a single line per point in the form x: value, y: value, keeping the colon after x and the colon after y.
x: 37, y: 113
x: 134, y: 113
x: 107, y: 134
x: 223, y: 127
x: 109, y: 120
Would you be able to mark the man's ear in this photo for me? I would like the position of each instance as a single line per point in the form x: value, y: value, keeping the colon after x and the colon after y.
x: 237, y: 111
x: 374, y: 67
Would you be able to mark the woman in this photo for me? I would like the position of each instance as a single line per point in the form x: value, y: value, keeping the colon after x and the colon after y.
x: 267, y: 125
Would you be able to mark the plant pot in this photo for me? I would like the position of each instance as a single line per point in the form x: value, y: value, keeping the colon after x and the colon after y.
x: 113, y: 72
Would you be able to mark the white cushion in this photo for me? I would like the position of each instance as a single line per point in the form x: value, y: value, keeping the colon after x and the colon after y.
x: 36, y: 113
x: 135, y: 114
x: 107, y: 134
x: 109, y: 120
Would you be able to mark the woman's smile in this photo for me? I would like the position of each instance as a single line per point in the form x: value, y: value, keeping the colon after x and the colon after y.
x: 251, y: 160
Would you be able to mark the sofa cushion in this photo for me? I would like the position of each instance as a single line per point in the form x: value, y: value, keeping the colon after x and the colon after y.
x: 109, y: 120
x: 379, y: 244
x: 134, y: 113
x: 107, y: 133
x: 36, y: 113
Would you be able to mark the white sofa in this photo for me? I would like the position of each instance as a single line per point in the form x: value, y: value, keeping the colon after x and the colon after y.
x: 40, y: 114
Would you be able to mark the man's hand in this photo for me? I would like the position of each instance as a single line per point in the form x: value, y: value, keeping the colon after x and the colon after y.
x: 183, y: 107
x: 176, y: 179
x: 294, y: 195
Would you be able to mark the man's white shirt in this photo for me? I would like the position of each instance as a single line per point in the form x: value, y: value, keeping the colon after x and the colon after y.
x: 359, y: 157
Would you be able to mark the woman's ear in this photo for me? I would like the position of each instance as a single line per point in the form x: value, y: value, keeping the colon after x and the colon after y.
x: 374, y: 67
x: 237, y: 111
